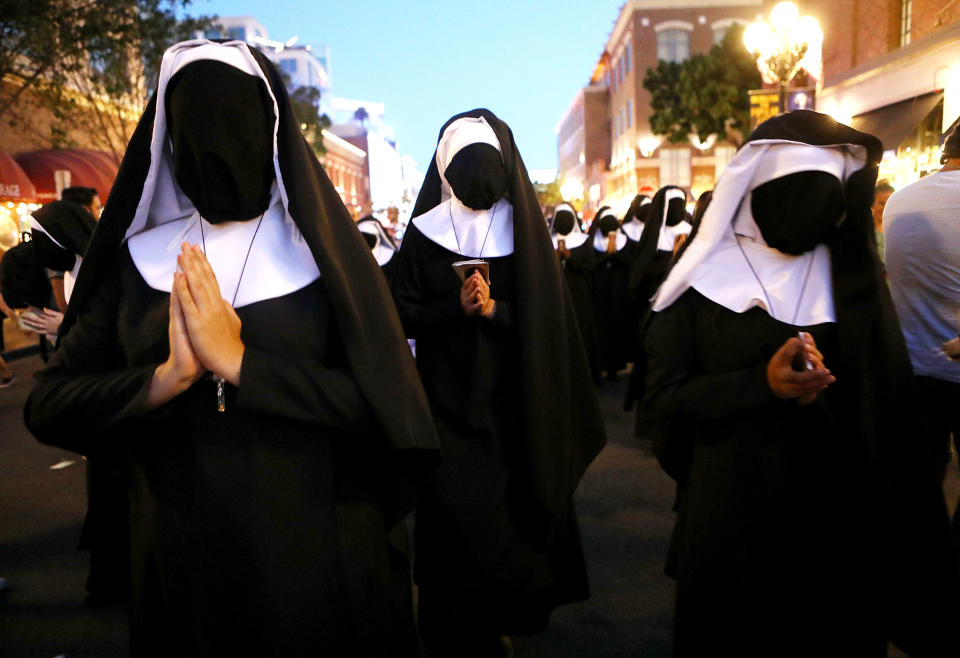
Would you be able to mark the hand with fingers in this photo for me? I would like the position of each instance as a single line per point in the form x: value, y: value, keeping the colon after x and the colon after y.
x: 43, y: 321
x: 182, y: 368
x: 804, y: 385
x: 475, y: 296
x: 212, y: 325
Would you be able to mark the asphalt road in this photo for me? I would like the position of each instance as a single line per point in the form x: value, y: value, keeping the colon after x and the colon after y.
x: 623, y: 503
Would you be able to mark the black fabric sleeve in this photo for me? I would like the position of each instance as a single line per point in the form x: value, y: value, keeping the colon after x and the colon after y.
x: 85, y: 390
x: 420, y: 318
x: 676, y: 391
x: 503, y: 314
x: 303, y: 390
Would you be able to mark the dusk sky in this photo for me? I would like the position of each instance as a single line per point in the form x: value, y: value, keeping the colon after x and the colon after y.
x: 428, y: 60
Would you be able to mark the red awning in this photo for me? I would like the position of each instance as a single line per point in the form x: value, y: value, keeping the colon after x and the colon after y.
x: 15, y: 185
x: 87, y: 169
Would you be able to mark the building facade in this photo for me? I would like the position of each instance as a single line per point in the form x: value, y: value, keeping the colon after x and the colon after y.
x: 346, y: 167
x: 637, y: 160
x: 892, y: 68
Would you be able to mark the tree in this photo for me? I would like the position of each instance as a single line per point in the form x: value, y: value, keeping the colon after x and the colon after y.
x: 87, y: 64
x: 361, y: 116
x: 305, y: 102
x: 704, y: 94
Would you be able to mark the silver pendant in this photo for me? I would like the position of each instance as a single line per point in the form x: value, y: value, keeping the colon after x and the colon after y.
x: 221, y: 398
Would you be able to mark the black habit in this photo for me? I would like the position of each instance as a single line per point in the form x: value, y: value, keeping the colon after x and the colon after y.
x: 261, y: 530
x: 496, y: 535
x: 801, y: 529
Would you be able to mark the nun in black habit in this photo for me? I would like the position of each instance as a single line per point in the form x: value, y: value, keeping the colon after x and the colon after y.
x: 807, y: 521
x: 61, y: 232
x: 615, y: 313
x: 260, y: 498
x: 576, y: 258
x: 381, y: 244
x: 636, y: 217
x: 666, y: 218
x: 497, y: 545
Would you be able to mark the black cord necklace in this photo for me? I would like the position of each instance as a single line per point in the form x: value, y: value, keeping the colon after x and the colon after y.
x: 221, y: 396
x: 803, y: 288
x: 457, y: 238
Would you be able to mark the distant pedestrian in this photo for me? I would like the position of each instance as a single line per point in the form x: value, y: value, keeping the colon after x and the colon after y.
x: 880, y: 196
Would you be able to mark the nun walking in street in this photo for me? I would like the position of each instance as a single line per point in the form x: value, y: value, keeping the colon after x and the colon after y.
x: 478, y: 285
x: 231, y: 336
x: 576, y: 259
x: 807, y: 522
x: 381, y: 244
x: 615, y: 313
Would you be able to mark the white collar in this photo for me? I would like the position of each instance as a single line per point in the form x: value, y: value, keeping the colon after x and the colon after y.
x: 633, y: 229
x: 668, y: 235
x: 278, y: 262
x: 572, y: 240
x: 162, y: 203
x: 382, y: 250
x: 600, y: 241
x: 462, y: 230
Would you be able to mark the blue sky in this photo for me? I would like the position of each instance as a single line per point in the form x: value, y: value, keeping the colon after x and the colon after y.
x: 428, y: 60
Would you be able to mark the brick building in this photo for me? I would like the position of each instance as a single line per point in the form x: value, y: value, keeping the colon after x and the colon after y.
x: 346, y: 166
x: 645, y: 32
x: 583, y: 142
x: 892, y: 68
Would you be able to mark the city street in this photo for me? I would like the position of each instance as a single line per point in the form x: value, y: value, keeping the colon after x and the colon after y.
x: 623, y: 503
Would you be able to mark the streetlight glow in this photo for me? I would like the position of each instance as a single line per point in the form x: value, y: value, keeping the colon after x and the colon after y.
x: 784, y: 46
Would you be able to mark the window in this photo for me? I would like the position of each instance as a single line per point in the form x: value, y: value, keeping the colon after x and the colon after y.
x: 212, y: 33
x: 623, y: 120
x: 629, y: 112
x: 721, y: 156
x: 673, y: 45
x: 906, y: 10
x: 237, y: 33
x: 629, y: 55
x: 623, y: 66
x: 288, y: 66
x: 675, y: 167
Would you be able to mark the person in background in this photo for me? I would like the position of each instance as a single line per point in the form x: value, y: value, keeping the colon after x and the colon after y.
x: 921, y: 223
x: 880, y: 196
x: 9, y: 237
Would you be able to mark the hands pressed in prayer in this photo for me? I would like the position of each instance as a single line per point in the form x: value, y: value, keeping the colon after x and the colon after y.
x: 803, y: 385
x: 475, y: 296
x: 212, y: 325
x: 562, y: 250
x: 182, y: 368
x: 612, y: 243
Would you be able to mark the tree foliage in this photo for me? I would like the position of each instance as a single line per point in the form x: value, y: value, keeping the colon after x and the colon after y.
x: 88, y: 64
x: 305, y: 102
x: 704, y: 94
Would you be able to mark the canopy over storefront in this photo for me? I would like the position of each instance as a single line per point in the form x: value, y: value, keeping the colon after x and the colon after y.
x: 86, y: 168
x: 15, y: 185
x: 893, y: 123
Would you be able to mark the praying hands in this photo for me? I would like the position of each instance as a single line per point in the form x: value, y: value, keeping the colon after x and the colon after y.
x: 475, y: 296
x: 204, y: 331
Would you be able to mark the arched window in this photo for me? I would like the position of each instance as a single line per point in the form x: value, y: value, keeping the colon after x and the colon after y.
x: 673, y: 44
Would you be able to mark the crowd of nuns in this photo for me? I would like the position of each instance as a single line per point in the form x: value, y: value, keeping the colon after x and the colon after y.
x: 239, y: 348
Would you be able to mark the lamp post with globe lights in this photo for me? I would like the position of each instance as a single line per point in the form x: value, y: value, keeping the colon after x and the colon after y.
x: 785, y: 45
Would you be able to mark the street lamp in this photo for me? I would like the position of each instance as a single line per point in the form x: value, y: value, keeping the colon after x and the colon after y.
x: 784, y: 46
